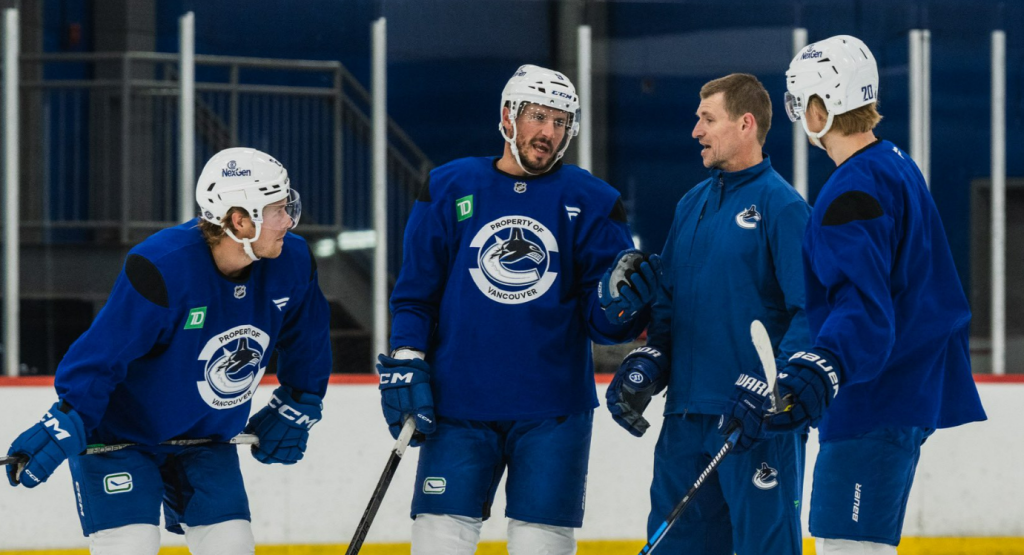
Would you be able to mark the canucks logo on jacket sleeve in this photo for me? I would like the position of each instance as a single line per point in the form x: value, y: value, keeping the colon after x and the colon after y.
x: 234, y: 364
x: 514, y: 259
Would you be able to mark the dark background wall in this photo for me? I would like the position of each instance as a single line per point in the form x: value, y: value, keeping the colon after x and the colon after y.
x: 449, y: 59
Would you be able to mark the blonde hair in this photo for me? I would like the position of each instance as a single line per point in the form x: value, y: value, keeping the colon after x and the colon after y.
x: 859, y: 120
x: 743, y: 93
x: 213, y: 233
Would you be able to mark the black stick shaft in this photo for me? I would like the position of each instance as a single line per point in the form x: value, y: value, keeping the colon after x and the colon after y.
x: 382, y: 487
x: 371, y: 510
x: 240, y: 439
x: 659, y: 534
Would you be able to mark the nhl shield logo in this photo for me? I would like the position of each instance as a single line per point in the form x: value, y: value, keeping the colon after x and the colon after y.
x: 519, y: 187
x: 239, y: 291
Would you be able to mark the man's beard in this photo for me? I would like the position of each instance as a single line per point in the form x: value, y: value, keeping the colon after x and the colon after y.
x: 529, y: 165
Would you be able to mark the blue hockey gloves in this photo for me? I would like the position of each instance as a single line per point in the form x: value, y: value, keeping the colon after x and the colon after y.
x: 629, y: 285
x: 748, y: 413
x: 642, y: 375
x: 58, y: 435
x: 283, y: 426
x: 807, y: 384
x: 405, y: 391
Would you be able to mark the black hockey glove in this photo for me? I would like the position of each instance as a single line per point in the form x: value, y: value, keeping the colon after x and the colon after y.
x: 807, y: 385
x: 642, y: 375
x: 629, y: 285
x: 748, y: 413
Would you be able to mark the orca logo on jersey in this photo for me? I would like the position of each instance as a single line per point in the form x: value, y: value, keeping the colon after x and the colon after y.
x: 747, y: 219
x: 765, y: 477
x: 514, y: 259
x: 234, y: 364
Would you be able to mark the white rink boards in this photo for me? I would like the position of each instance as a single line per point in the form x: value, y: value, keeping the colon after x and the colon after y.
x: 969, y: 484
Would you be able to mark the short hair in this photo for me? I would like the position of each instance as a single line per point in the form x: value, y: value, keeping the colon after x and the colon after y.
x: 743, y: 93
x: 858, y: 120
x: 213, y: 233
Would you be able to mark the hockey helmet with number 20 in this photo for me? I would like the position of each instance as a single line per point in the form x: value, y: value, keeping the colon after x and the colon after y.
x: 249, y: 179
x: 537, y: 85
x: 840, y: 70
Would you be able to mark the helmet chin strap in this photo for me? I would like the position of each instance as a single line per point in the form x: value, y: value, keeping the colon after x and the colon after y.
x: 512, y: 143
x: 816, y: 137
x: 515, y: 149
x: 247, y: 243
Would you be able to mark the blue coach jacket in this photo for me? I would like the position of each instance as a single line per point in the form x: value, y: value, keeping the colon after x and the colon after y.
x: 733, y: 255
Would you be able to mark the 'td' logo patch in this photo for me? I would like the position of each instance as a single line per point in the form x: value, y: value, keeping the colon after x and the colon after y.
x: 196, y: 318
x: 464, y: 207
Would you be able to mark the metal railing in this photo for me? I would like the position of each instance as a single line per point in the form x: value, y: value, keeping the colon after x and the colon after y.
x: 100, y: 159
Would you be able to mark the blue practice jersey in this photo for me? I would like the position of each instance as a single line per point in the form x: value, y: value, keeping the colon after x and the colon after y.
x: 499, y: 287
x: 883, y: 297
x: 732, y: 256
x: 179, y: 349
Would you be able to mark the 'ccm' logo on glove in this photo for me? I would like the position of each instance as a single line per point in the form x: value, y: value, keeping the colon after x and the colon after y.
x: 50, y: 422
x: 289, y: 413
x: 395, y: 377
x: 824, y: 365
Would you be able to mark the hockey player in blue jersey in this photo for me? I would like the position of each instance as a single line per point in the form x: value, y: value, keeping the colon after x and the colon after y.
x: 494, y: 312
x: 732, y: 256
x: 177, y: 353
x: 888, y: 360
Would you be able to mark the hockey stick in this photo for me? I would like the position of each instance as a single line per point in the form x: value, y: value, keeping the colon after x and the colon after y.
x: 382, y: 487
x: 240, y: 439
x: 763, y: 346
x: 659, y: 534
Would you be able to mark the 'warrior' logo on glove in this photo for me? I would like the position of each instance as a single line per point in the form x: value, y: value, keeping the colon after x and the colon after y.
x: 752, y: 384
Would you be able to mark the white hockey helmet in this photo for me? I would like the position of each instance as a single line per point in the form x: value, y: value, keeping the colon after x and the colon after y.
x: 249, y: 179
x: 840, y: 70
x: 537, y: 85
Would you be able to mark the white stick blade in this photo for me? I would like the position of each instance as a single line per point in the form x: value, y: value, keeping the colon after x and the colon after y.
x: 763, y: 345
